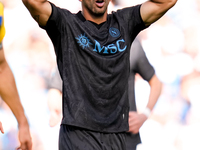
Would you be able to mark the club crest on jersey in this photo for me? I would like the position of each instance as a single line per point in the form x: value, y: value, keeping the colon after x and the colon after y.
x: 83, y: 41
x: 114, y: 32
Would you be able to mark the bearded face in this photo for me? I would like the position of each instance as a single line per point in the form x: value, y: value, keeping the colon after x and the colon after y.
x: 95, y: 7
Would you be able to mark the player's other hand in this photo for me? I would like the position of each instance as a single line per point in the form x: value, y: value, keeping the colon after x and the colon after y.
x: 136, y: 121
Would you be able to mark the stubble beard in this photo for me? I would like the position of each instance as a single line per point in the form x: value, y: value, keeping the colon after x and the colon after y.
x: 98, y: 13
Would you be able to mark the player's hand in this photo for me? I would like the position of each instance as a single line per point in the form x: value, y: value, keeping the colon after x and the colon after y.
x: 1, y: 128
x: 136, y: 121
x: 24, y: 138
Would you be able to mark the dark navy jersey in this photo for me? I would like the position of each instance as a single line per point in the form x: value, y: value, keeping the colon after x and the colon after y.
x: 94, y: 67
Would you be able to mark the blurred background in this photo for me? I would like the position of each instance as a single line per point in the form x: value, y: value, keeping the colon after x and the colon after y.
x: 172, y: 46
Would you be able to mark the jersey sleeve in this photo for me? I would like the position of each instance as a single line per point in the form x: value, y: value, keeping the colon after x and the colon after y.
x: 132, y: 18
x: 54, y: 29
x: 52, y: 26
x: 139, y: 62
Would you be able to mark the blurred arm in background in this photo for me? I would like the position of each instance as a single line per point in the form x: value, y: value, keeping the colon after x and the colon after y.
x: 55, y: 98
x: 9, y: 93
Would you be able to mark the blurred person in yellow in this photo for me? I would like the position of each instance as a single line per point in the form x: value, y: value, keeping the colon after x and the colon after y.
x: 9, y: 93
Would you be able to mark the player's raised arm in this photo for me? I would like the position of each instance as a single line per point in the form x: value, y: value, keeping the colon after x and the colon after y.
x: 40, y: 10
x: 152, y: 10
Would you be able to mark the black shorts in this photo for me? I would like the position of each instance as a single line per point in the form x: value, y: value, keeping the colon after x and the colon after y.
x: 74, y: 138
x: 132, y: 140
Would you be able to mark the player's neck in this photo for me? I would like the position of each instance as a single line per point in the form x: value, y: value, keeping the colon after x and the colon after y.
x: 93, y: 18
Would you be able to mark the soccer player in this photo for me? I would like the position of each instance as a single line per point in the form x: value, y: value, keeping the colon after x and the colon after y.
x: 92, y: 49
